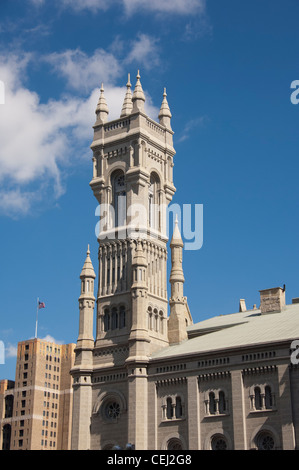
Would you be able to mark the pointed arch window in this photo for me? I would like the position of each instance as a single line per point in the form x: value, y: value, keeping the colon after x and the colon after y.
x: 114, y: 319
x: 106, y: 320
x: 114, y: 322
x: 122, y: 317
x: 169, y: 408
x: 119, y: 200
x: 178, y: 407
x: 212, y: 403
x: 257, y: 398
x: 153, y: 202
x: 268, y: 397
x: 222, y: 403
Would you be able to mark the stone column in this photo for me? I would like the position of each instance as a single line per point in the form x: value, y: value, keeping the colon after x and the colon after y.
x: 193, y: 414
x: 285, y: 407
x: 239, y: 424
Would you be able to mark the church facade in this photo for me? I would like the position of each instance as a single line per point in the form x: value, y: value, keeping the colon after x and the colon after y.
x: 152, y: 379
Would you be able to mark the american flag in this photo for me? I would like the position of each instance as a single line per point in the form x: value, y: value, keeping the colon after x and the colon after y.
x: 41, y: 305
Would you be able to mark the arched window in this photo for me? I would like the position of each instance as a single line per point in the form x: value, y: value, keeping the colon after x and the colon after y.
x: 114, y: 319
x: 222, y: 403
x: 212, y: 403
x: 257, y: 398
x: 268, y: 397
x: 156, y: 322
x: 218, y: 442
x: 106, y: 320
x: 122, y: 316
x: 169, y: 408
x: 119, y: 198
x: 161, y: 322
x: 153, y: 202
x: 265, y: 441
x: 178, y: 407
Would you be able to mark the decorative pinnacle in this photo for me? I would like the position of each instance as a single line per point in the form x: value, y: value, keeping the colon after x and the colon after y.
x: 165, y: 111
x: 138, y: 97
x: 128, y: 104
x: 102, y: 108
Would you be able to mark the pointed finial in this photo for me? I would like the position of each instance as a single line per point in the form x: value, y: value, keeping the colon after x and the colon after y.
x: 87, y: 270
x: 127, y: 105
x: 176, y: 236
x: 102, y: 108
x: 138, y: 96
x: 165, y: 114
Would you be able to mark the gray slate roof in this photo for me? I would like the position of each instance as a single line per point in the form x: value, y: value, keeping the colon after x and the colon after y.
x: 237, y: 330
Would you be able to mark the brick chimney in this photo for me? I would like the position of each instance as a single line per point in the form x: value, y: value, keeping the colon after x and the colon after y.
x: 272, y: 300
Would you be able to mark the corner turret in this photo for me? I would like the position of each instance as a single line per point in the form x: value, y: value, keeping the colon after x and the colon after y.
x: 180, y: 316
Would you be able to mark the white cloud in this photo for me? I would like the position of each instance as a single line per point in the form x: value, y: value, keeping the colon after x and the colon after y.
x: 13, y: 202
x: 36, y: 137
x: 181, y: 7
x: 144, y: 51
x: 34, y: 140
x: 192, y: 125
x: 84, y: 72
x: 50, y: 339
x: 177, y: 7
x: 37, y: 3
x: 11, y: 351
x: 93, y: 5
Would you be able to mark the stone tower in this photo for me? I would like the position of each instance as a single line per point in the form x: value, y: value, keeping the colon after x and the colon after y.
x: 133, y: 183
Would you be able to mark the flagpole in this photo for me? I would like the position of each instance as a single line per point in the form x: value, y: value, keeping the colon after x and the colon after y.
x: 36, y: 318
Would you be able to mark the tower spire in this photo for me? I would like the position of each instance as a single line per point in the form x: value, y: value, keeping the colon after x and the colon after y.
x: 165, y: 114
x: 180, y: 316
x: 128, y: 104
x: 87, y: 270
x: 138, y: 97
x: 102, y: 108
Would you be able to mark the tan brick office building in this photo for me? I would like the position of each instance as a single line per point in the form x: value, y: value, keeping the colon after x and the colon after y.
x: 154, y: 380
x: 35, y: 410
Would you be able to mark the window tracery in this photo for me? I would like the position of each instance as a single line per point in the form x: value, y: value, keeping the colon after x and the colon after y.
x: 262, y: 398
x: 114, y: 318
x: 216, y: 403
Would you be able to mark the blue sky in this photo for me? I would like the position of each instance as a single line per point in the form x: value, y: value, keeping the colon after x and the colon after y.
x: 227, y: 66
